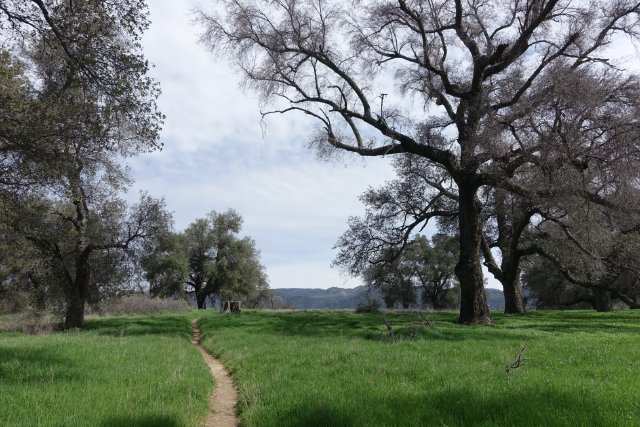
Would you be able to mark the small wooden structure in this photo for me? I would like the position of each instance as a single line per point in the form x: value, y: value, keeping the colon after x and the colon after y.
x: 230, y: 307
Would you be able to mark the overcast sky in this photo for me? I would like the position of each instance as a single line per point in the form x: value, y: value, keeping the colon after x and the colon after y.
x: 218, y: 155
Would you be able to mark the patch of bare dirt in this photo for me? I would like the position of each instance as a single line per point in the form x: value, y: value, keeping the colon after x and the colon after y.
x: 223, y: 399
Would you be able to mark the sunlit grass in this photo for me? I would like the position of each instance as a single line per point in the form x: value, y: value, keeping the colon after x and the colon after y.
x: 341, y: 369
x: 121, y: 371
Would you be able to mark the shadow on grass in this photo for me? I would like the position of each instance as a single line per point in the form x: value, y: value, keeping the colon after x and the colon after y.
x: 142, y: 421
x: 450, y: 408
x: 364, y: 326
x: 306, y: 414
x: 370, y: 326
x: 35, y: 365
x: 586, y: 327
x: 159, y: 324
x: 617, y: 316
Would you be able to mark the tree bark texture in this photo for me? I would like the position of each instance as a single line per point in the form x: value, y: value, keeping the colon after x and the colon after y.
x: 201, y: 299
x: 76, y: 291
x: 512, y: 289
x: 473, y: 301
x: 75, y: 301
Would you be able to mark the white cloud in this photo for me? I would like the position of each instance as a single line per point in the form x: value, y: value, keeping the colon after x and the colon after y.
x: 308, y: 275
x: 218, y: 154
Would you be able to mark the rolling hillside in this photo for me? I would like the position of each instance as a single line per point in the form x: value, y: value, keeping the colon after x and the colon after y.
x: 342, y: 298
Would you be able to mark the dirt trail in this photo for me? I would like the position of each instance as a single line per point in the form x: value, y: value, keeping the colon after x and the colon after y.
x: 223, y: 399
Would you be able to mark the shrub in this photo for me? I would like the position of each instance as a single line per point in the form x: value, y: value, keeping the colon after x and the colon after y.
x: 30, y: 322
x: 140, y: 303
x: 369, y: 305
x: 14, y: 302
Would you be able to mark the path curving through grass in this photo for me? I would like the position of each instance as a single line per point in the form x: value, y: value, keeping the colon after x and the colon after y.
x: 327, y: 369
x: 224, y: 397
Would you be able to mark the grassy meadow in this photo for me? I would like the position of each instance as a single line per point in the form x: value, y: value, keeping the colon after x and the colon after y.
x: 322, y: 368
x: 120, y: 371
x: 319, y: 368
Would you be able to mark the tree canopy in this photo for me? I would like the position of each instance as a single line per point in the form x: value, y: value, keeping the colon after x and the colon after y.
x: 76, y: 100
x: 423, y: 268
x: 207, y: 259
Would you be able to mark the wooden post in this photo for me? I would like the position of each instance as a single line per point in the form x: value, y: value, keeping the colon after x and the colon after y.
x: 230, y: 307
x: 235, y: 307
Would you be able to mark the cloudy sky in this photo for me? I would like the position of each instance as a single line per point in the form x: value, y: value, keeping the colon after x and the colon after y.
x: 218, y: 155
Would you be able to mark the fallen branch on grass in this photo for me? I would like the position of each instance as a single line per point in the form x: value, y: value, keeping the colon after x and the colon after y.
x: 518, y: 362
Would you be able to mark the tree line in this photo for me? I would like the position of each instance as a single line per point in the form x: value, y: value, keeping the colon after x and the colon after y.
x: 76, y: 101
x: 565, y: 255
x: 512, y: 127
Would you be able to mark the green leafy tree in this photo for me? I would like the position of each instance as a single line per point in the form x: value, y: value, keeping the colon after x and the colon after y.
x: 421, y: 264
x: 96, y: 41
x: 93, y: 105
x: 80, y: 254
x: 207, y: 259
x: 57, y: 50
x: 392, y: 279
x: 547, y: 288
x: 432, y: 267
x: 165, y: 264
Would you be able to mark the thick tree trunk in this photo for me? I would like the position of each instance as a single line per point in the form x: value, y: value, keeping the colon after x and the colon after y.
x: 473, y: 301
x: 76, y: 292
x: 512, y: 289
x: 75, y: 301
x: 602, y: 299
x: 201, y: 299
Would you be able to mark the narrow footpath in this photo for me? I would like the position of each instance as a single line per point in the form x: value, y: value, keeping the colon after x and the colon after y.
x: 223, y: 400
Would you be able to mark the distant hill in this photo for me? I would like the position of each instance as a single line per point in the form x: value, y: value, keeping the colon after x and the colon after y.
x: 495, y: 299
x: 323, y: 298
x: 335, y: 298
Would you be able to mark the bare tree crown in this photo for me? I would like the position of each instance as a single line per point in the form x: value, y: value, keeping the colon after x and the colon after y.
x: 478, y: 70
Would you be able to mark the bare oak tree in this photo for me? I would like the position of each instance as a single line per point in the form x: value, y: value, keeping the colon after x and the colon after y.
x: 593, y: 248
x: 473, y: 89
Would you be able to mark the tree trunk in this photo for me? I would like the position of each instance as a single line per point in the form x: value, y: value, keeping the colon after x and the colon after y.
x: 473, y: 301
x: 435, y: 302
x: 512, y: 289
x: 230, y: 307
x: 201, y: 299
x: 602, y: 300
x: 76, y: 292
x: 75, y: 301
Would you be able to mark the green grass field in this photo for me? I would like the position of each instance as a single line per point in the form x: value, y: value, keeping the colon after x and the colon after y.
x: 320, y: 368
x: 120, y: 371
x: 340, y: 369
